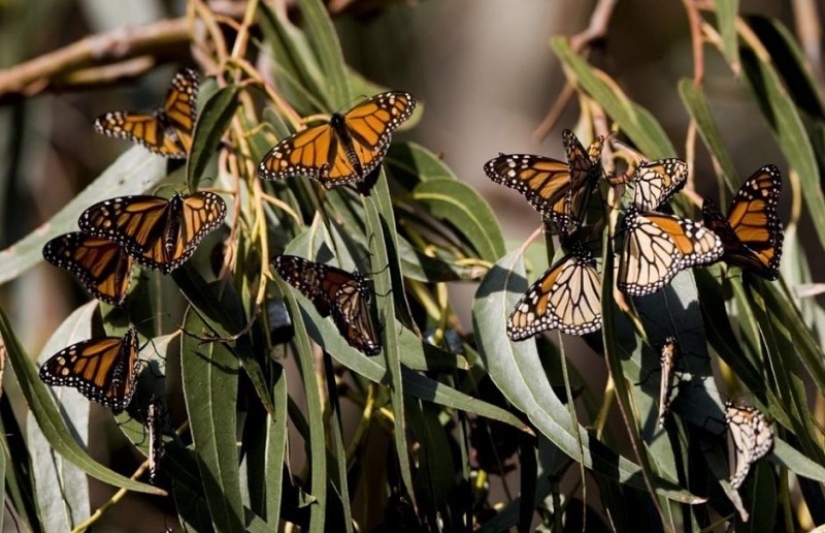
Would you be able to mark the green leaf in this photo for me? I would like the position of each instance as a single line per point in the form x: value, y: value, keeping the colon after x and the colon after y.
x: 324, y: 41
x: 58, y: 480
x: 134, y: 172
x: 49, y: 420
x: 697, y: 105
x: 460, y: 205
x: 789, y: 132
x: 726, y: 14
x: 209, y: 373
x: 411, y: 163
x: 316, y: 440
x: 276, y: 450
x: 637, y: 122
x: 213, y: 121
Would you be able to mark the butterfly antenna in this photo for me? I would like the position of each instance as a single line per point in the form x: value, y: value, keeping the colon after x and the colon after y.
x: 231, y: 338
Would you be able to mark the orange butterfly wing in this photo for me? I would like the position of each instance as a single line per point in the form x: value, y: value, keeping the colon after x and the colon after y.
x: 104, y: 370
x: 752, y: 232
x: 656, y: 247
x: 566, y: 297
x: 101, y: 265
x: 159, y: 233
x: 167, y: 132
x: 344, y: 150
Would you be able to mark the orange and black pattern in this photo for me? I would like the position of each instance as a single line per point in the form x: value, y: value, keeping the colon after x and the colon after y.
x: 158, y: 233
x: 345, y: 149
x: 346, y: 296
x: 104, y: 370
x: 168, y: 131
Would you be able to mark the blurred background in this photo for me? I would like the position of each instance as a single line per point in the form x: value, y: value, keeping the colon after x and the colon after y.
x: 482, y: 68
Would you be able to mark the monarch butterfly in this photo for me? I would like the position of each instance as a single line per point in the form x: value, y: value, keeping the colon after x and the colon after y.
x: 336, y: 292
x: 101, y: 265
x: 104, y: 370
x: 751, y: 233
x: 752, y: 438
x: 345, y: 149
x: 566, y: 297
x: 656, y: 247
x: 159, y: 233
x: 656, y: 181
x: 156, y: 420
x: 168, y: 131
x: 670, y: 352
x: 558, y: 190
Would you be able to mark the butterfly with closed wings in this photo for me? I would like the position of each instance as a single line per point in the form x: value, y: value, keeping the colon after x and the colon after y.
x: 344, y: 150
x: 158, y: 233
x: 558, y: 190
x: 752, y: 438
x: 344, y: 295
x: 671, y: 351
x: 168, y: 131
x: 101, y: 265
x: 751, y: 233
x: 566, y: 297
x: 104, y: 370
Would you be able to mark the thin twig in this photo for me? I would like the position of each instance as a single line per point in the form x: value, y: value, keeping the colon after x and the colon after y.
x: 696, y: 40
x: 810, y: 36
x: 596, y: 30
x: 112, y: 47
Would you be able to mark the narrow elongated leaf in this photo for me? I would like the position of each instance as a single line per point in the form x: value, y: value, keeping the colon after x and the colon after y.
x: 636, y: 121
x: 726, y: 14
x: 788, y: 130
x: 411, y: 163
x: 209, y: 373
x: 213, y: 121
x: 324, y: 41
x: 462, y: 206
x: 135, y: 172
x: 315, y: 441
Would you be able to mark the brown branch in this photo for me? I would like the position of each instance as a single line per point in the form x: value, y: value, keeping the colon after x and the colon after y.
x: 116, y: 46
x: 810, y: 36
x: 596, y: 30
x: 696, y: 40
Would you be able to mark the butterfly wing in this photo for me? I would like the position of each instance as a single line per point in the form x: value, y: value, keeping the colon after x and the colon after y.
x: 344, y: 150
x: 541, y: 180
x: 670, y: 352
x: 752, y: 232
x: 656, y: 181
x: 752, y: 437
x: 352, y: 315
x: 307, y: 277
x: 585, y: 170
x: 159, y: 233
x: 104, y: 370
x: 566, y: 297
x: 101, y: 265
x: 167, y: 132
x: 656, y: 247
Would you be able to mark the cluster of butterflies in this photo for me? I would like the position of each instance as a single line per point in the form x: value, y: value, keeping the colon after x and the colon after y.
x: 347, y: 150
x: 155, y: 232
x: 751, y: 431
x: 655, y: 245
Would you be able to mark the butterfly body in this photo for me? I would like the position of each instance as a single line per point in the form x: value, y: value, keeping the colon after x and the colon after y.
x: 670, y: 352
x: 344, y: 150
x: 158, y: 233
x: 656, y: 247
x: 558, y: 190
x: 104, y: 370
x: 566, y: 297
x: 168, y: 131
x: 752, y: 438
x: 101, y: 265
x: 751, y: 232
x: 343, y: 295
